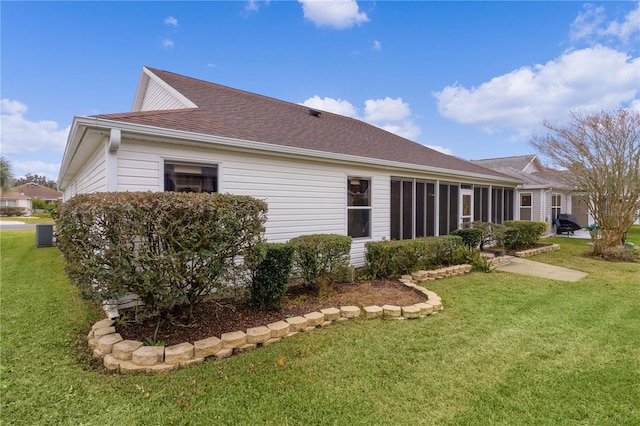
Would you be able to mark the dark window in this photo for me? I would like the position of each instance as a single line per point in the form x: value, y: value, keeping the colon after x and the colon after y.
x: 180, y: 177
x: 358, y: 207
x: 412, y: 209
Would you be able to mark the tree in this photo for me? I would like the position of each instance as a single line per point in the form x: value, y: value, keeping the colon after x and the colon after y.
x: 601, y: 154
x: 6, y: 176
x: 40, y: 180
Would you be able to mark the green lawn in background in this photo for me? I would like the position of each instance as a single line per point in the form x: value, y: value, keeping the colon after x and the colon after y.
x: 507, y: 349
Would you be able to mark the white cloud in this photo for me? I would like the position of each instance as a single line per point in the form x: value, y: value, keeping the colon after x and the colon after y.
x: 587, y: 79
x: 377, y: 45
x: 392, y: 115
x: 591, y: 26
x: 35, y: 167
x: 166, y: 43
x: 333, y: 13
x: 386, y: 109
x: 20, y: 135
x: 254, y: 5
x: 336, y: 106
x: 171, y: 21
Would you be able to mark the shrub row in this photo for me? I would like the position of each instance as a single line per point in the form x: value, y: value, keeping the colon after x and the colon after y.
x: 171, y: 249
x: 523, y: 234
x: 395, y: 258
x: 9, y: 211
x: 511, y: 234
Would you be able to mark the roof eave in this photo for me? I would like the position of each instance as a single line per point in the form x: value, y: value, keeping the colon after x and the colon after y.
x: 140, y: 131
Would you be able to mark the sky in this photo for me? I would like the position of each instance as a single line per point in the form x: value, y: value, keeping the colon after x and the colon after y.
x: 472, y: 79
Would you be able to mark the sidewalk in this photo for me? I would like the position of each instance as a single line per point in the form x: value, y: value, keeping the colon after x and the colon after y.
x: 522, y: 266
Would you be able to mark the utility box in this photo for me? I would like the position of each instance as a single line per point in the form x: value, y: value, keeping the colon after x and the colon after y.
x: 44, y: 236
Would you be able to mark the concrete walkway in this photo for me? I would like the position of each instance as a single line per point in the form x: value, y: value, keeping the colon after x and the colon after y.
x: 537, y: 269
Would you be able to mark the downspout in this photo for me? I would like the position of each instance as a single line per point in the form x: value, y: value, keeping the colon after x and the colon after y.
x: 111, y: 169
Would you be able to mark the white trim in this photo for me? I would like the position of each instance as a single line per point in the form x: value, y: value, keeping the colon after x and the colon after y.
x: 147, y: 75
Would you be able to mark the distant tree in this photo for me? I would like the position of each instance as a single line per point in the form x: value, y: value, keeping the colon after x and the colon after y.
x: 6, y: 176
x: 601, y: 153
x: 40, y: 180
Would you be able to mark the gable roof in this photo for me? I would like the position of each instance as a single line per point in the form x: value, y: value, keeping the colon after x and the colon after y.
x: 200, y: 107
x: 518, y: 162
x: 35, y: 190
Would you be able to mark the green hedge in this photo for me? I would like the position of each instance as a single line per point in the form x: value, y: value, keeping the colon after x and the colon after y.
x: 321, y: 257
x: 523, y: 234
x: 271, y: 276
x: 171, y: 249
x: 388, y: 259
x: 9, y: 211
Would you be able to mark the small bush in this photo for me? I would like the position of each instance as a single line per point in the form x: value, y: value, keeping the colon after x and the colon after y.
x: 523, y: 234
x: 271, y: 276
x: 620, y: 254
x: 388, y: 259
x: 321, y: 257
x: 471, y: 237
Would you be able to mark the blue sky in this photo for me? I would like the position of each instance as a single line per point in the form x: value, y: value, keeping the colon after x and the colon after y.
x: 473, y: 79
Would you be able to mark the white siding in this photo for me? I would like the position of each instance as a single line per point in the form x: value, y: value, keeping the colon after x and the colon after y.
x: 303, y: 197
x: 91, y: 178
x: 157, y: 97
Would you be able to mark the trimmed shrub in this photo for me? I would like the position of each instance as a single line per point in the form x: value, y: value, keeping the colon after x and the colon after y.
x: 171, y: 249
x: 270, y: 277
x: 386, y: 259
x: 9, y: 211
x: 321, y: 257
x: 523, y: 234
x: 471, y: 237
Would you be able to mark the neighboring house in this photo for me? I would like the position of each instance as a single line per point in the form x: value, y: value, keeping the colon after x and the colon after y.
x: 23, y: 195
x: 34, y: 190
x: 318, y: 172
x: 542, y: 196
x: 13, y: 198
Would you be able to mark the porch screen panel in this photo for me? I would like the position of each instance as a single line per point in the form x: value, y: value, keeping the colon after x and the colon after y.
x: 443, y: 209
x: 508, y: 204
x: 421, y: 209
x: 454, y: 199
x: 396, y: 209
x: 431, y: 209
x: 407, y: 210
x: 481, y: 204
x: 497, y: 205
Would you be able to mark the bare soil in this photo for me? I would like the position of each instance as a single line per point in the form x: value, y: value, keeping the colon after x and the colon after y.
x: 215, y: 317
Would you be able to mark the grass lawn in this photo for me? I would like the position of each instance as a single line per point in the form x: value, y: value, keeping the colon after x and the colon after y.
x: 507, y: 349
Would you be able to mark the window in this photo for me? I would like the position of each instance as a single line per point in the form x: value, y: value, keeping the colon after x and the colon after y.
x: 358, y: 207
x: 525, y: 206
x: 556, y: 206
x: 181, y: 177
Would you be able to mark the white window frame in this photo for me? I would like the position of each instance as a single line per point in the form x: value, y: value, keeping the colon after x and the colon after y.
x: 190, y: 163
x: 369, y: 207
x: 530, y: 207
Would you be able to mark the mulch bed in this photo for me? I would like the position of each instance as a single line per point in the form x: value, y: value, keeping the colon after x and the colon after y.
x: 215, y: 317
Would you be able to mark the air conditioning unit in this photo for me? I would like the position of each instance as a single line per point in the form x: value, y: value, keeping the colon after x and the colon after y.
x: 45, y: 236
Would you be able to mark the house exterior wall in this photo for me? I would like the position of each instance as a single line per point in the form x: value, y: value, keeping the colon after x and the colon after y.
x: 304, y: 197
x: 92, y: 177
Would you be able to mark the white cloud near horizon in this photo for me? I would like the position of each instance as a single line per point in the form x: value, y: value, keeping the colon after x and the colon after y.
x: 338, y: 14
x: 392, y: 115
x: 588, y: 79
x: 21, y: 137
x: 166, y: 43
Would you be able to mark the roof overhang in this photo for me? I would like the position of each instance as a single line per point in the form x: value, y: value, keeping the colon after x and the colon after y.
x: 87, y: 133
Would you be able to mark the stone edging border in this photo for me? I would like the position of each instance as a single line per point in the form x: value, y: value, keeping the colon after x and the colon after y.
x: 127, y: 356
x: 534, y: 251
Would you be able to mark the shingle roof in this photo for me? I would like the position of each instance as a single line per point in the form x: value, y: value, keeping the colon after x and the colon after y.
x: 519, y: 162
x: 231, y: 113
x: 34, y: 190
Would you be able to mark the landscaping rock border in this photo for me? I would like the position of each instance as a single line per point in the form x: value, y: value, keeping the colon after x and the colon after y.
x: 127, y: 356
x: 537, y: 250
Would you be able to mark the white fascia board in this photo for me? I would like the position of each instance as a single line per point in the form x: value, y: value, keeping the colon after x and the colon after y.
x: 71, y: 148
x: 152, y: 133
